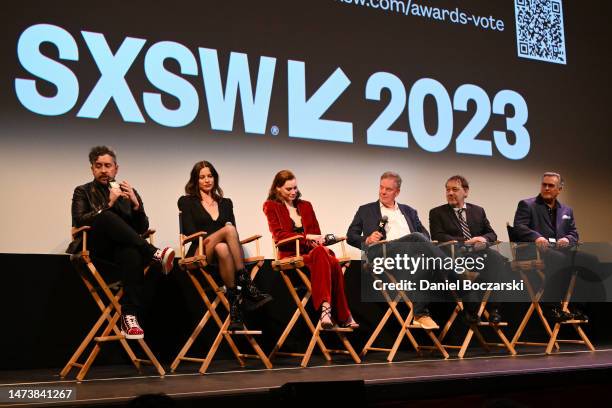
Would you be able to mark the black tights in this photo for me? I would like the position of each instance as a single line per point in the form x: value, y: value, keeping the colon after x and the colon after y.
x: 224, y: 246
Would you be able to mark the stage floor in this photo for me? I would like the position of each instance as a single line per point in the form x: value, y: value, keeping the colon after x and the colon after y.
x: 119, y: 384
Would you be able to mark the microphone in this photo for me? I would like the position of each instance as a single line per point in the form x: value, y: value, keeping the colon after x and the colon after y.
x: 113, y: 184
x: 381, y: 226
x: 330, y: 239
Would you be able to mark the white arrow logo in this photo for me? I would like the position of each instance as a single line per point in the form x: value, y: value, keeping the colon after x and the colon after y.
x: 305, y: 116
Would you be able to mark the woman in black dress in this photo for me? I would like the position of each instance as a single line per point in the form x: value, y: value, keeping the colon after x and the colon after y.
x: 204, y: 208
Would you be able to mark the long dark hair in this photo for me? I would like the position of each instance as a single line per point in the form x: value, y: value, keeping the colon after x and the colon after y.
x: 192, y: 188
x: 279, y: 180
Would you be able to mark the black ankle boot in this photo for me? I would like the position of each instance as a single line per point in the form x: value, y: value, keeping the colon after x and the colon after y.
x: 253, y: 297
x: 235, y: 299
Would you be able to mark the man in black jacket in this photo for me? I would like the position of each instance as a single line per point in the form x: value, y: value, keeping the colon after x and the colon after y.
x: 468, y: 225
x: 117, y: 217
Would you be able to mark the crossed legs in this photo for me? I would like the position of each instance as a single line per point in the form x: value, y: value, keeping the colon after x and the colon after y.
x: 224, y: 246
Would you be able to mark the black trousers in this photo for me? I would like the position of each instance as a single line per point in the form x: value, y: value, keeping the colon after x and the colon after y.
x: 113, y: 239
x: 496, y: 269
x: 559, y: 265
x: 414, y: 245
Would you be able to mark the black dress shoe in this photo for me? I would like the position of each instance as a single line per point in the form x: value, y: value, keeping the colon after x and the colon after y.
x: 579, y: 315
x: 494, y: 316
x: 559, y: 315
x: 470, y: 317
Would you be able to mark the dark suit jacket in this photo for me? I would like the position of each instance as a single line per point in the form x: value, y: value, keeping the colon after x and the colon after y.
x: 367, y: 218
x: 445, y: 226
x: 531, y: 221
x: 90, y: 199
x: 281, y: 225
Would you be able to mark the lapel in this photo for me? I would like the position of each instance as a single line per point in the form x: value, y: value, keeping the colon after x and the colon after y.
x: 542, y: 210
x: 559, y: 219
x: 97, y: 198
x: 407, y: 217
x: 450, y: 212
x: 377, y: 212
x: 284, y: 215
x: 471, y: 219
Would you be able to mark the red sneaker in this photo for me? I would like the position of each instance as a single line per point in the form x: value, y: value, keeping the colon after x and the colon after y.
x: 130, y: 327
x: 165, y: 257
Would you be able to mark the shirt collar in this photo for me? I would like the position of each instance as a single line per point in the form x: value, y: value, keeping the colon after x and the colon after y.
x: 541, y: 200
x: 382, y: 206
x: 460, y: 208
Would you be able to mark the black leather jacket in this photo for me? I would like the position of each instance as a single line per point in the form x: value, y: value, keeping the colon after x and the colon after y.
x: 89, y: 200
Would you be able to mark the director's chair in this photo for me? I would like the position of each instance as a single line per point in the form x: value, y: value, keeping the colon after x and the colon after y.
x: 474, y: 328
x: 535, y: 266
x: 108, y: 303
x: 405, y: 326
x: 296, y: 263
x: 195, y: 265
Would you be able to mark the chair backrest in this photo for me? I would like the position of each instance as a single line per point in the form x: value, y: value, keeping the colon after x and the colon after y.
x: 180, y: 218
x: 511, y: 232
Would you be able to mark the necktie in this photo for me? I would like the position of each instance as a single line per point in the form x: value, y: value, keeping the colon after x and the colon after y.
x: 464, y: 227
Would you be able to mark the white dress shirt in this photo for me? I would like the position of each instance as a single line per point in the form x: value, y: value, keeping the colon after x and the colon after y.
x: 397, y: 226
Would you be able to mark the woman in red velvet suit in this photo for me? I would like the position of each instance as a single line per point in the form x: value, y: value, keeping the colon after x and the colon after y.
x: 288, y: 216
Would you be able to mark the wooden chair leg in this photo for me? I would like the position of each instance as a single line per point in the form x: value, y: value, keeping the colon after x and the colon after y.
x: 112, y: 306
x: 152, y: 358
x: 404, y: 330
x: 391, y: 309
x: 96, y: 349
x: 213, y: 348
x: 449, y: 322
x: 87, y: 340
x: 262, y: 356
x: 504, y: 340
x: 349, y: 347
x: 376, y: 332
x: 314, y: 329
x: 553, y: 338
x: 304, y: 313
x: 288, y: 327
x: 213, y: 312
x: 523, y: 324
x: 223, y: 333
x: 192, y: 338
x: 437, y: 344
x: 576, y: 325
x: 584, y: 337
x: 316, y: 336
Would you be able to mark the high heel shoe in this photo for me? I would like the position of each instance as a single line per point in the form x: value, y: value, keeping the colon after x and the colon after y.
x: 350, y: 324
x: 326, y: 317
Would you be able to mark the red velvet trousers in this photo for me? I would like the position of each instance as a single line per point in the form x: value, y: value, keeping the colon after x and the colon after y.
x: 327, y: 282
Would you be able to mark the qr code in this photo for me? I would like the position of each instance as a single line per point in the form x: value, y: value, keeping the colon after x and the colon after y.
x: 539, y: 30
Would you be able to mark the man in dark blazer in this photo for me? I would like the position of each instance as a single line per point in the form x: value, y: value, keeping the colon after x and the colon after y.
x: 388, y: 220
x: 116, y: 214
x: 551, y: 226
x: 468, y: 225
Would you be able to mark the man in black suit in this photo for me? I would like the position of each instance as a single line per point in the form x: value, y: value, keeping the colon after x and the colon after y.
x: 116, y: 214
x: 551, y: 226
x: 468, y: 225
x: 388, y: 220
